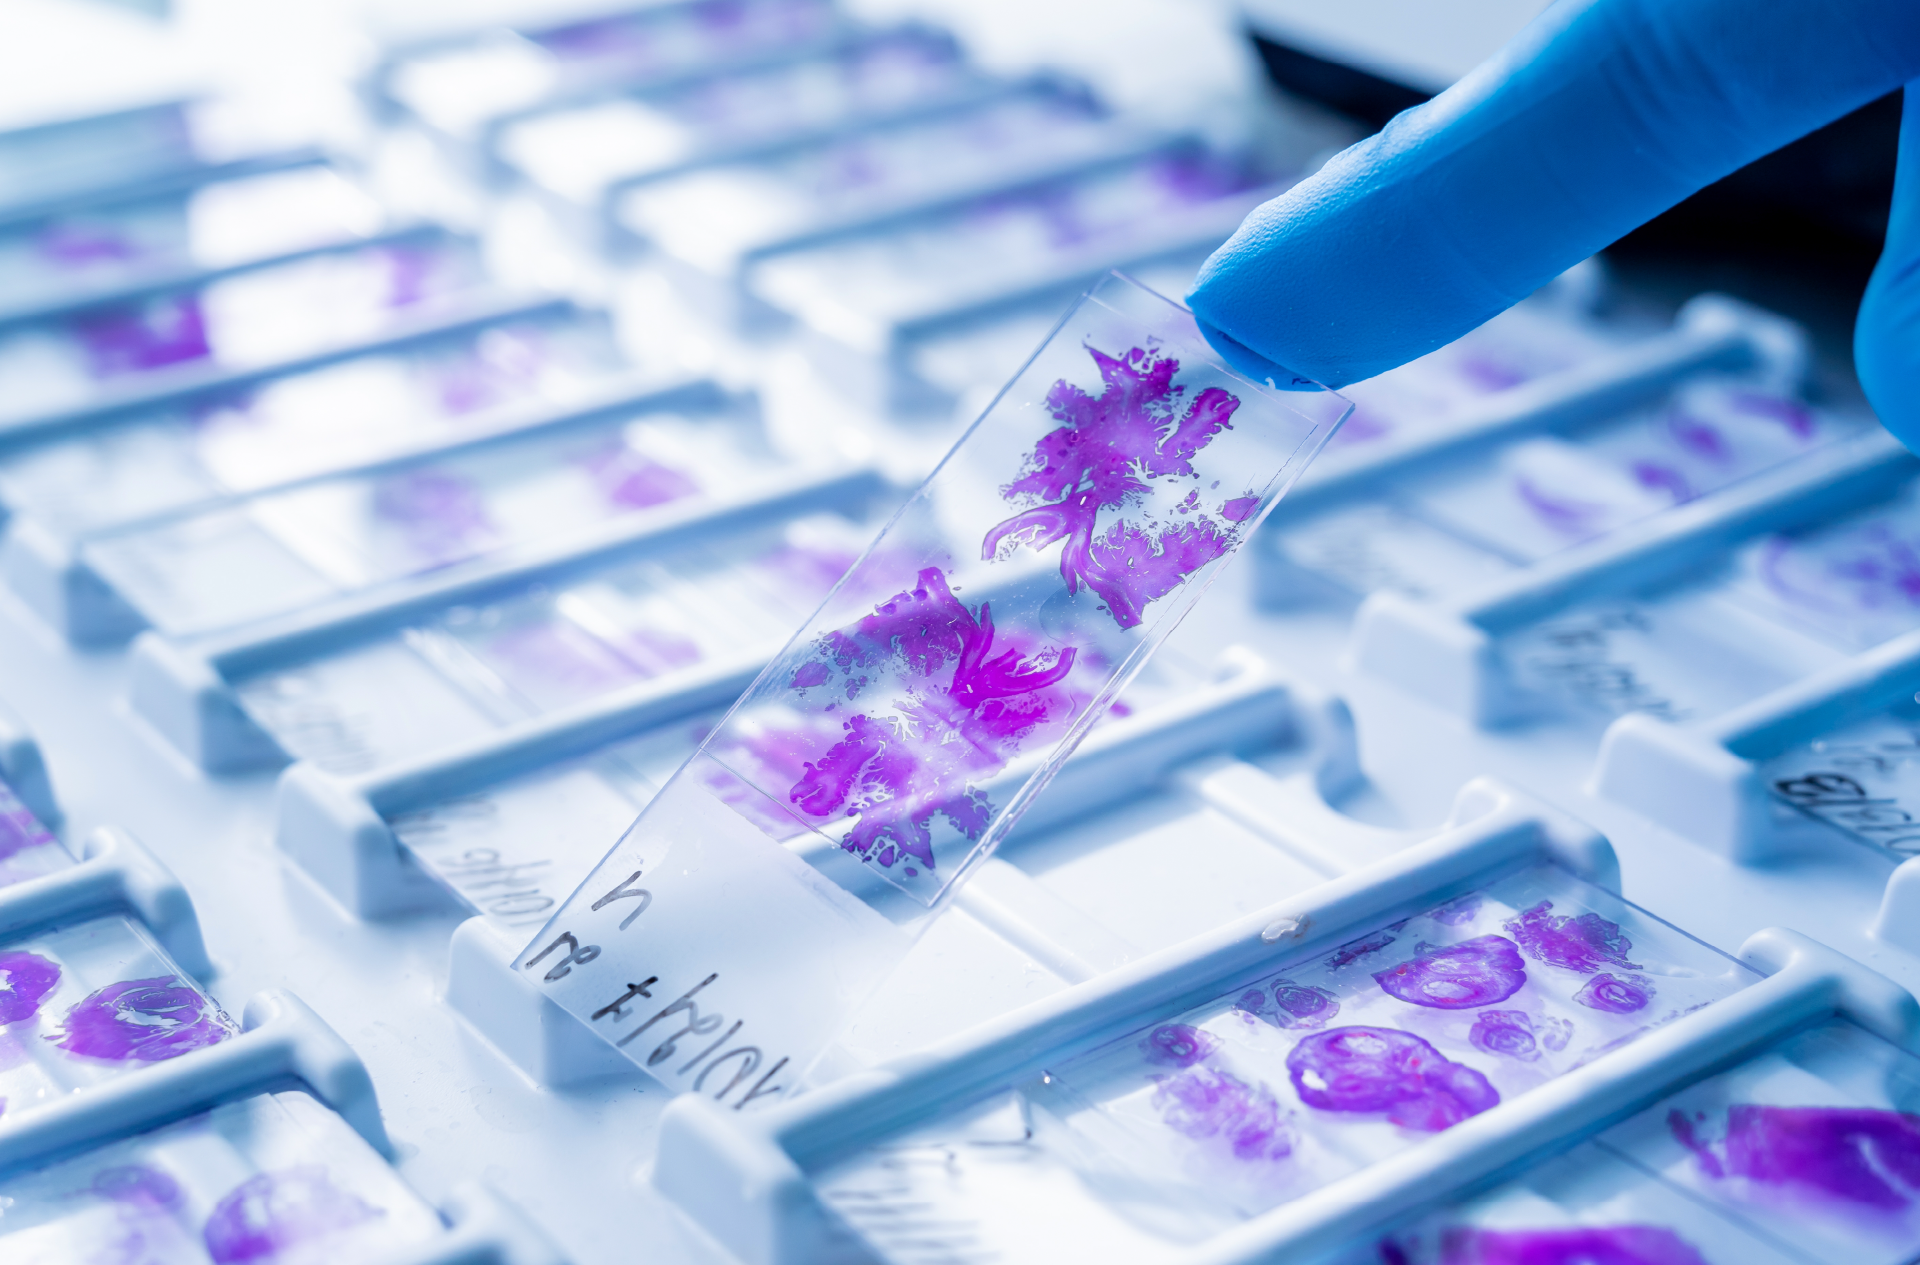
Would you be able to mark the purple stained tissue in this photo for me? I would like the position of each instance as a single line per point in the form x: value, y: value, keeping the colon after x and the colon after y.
x: 1615, y: 994
x: 1867, y: 1157
x: 1574, y: 1245
x: 1464, y: 976
x: 148, y: 1020
x: 25, y: 981
x: 1585, y: 943
x: 1205, y: 1102
x: 270, y: 1212
x: 1178, y: 1045
x: 1103, y: 457
x: 1285, y: 1004
x: 1385, y: 1070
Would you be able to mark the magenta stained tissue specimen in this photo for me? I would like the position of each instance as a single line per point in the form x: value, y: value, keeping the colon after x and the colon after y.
x: 25, y: 981
x: 1352, y: 951
x: 1577, y: 1245
x: 1285, y: 1004
x: 1205, y: 1102
x: 143, y: 336
x: 1585, y: 943
x: 898, y: 775
x: 1104, y: 456
x: 1362, y: 1069
x: 1464, y: 976
x: 1867, y: 1157
x: 634, y: 481
x: 1178, y: 1045
x: 1615, y: 994
x: 270, y: 1212
x: 148, y: 1020
x: 442, y: 515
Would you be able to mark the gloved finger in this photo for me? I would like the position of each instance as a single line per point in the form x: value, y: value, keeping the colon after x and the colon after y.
x: 1886, y: 338
x: 1597, y: 117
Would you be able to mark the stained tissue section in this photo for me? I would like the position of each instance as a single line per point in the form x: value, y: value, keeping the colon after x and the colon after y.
x: 964, y: 705
x: 1581, y: 1245
x: 1476, y: 972
x: 1863, y: 1156
x: 1105, y: 456
x: 1385, y: 1070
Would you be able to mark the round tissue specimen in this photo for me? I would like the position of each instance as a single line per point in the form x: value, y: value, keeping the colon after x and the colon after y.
x: 1579, y: 1245
x: 25, y: 981
x: 1177, y: 1045
x: 1290, y: 1005
x: 1615, y: 994
x: 1205, y: 1102
x: 1386, y: 1070
x: 1507, y: 1032
x: 1464, y: 976
x: 145, y: 1019
x: 1585, y: 943
x: 270, y: 1212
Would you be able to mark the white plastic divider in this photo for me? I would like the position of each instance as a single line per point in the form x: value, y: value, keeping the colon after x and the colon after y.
x: 281, y: 1044
x: 184, y: 689
x: 1246, y: 706
x: 725, y: 295
x: 187, y: 381
x: 336, y: 828
x: 116, y: 874
x: 483, y: 1229
x: 1702, y: 779
x: 1448, y: 652
x: 52, y: 576
x: 868, y: 358
x: 24, y: 770
x: 745, y: 1178
x: 191, y: 275
x: 1712, y: 332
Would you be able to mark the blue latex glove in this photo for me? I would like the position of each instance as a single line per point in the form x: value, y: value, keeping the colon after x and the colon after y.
x: 1596, y: 118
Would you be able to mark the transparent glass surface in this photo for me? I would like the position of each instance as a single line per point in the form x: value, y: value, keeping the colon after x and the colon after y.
x: 714, y: 217
x: 27, y: 848
x: 902, y: 732
x: 92, y: 1002
x: 1587, y: 1205
x: 274, y: 1169
x: 856, y: 289
x: 219, y: 224
x: 44, y: 163
x: 1815, y: 1144
x: 303, y: 424
x: 1297, y: 1077
x: 475, y: 667
x: 578, y: 153
x: 284, y: 550
x: 460, y: 87
x: 235, y: 322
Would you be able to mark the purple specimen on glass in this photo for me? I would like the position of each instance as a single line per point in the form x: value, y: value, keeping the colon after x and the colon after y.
x: 136, y: 1184
x: 1205, y: 1102
x: 1860, y: 1155
x: 145, y: 335
x: 443, y: 515
x: 1352, y: 951
x: 1507, y: 1032
x: 25, y: 981
x: 1464, y: 976
x: 899, y: 774
x: 1101, y: 458
x: 270, y: 1212
x: 632, y: 480
x: 1178, y: 1045
x: 1285, y: 1004
x: 1576, y: 1245
x: 145, y: 1019
x: 1385, y: 1070
x: 1585, y: 943
x: 1615, y: 994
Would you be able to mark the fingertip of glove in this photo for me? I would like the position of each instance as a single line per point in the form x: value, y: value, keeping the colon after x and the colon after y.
x: 1246, y: 361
